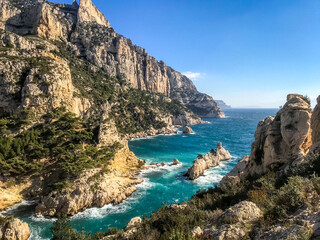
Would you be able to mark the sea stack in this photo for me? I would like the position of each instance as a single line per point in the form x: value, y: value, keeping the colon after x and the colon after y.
x: 210, y: 160
x: 187, y: 130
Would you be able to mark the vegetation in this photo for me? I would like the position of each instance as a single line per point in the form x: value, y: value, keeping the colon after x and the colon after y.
x: 4, y: 220
x: 277, y: 195
x: 65, y: 141
x: 133, y: 110
x: 62, y: 230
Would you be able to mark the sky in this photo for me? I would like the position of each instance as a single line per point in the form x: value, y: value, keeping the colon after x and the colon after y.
x: 249, y: 53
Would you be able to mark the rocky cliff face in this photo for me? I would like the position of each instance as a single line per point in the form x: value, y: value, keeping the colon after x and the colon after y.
x: 281, y: 142
x: 95, y: 188
x: 315, y: 126
x: 87, y: 32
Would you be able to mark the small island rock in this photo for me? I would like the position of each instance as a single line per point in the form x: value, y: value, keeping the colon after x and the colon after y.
x: 211, y: 159
x: 187, y: 130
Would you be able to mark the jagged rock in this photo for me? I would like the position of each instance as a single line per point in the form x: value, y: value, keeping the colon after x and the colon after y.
x: 89, y: 35
x: 89, y: 13
x: 211, y: 159
x: 108, y: 133
x: 234, y: 177
x: 225, y: 232
x: 39, y: 90
x: 175, y: 162
x: 187, y: 130
x: 243, y: 212
x: 134, y: 222
x: 14, y: 230
x: 283, y: 140
x: 315, y: 126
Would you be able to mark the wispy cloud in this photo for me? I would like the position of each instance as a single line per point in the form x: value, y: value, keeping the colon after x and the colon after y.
x: 193, y: 75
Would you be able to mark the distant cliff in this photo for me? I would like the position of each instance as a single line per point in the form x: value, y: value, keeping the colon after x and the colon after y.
x: 222, y: 104
x: 89, y: 35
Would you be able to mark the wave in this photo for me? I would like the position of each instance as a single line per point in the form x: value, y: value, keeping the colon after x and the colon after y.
x: 166, y: 167
x: 110, y: 209
x: 15, y: 208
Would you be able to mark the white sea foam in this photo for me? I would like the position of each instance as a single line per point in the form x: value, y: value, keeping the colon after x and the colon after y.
x: 41, y: 218
x: 166, y: 167
x: 208, y: 179
x: 11, y: 210
x: 109, y: 209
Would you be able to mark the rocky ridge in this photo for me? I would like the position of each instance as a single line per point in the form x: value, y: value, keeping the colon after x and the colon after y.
x: 209, y: 160
x: 39, y: 74
x: 89, y: 35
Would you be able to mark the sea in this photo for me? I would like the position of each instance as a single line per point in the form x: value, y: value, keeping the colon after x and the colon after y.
x: 165, y: 184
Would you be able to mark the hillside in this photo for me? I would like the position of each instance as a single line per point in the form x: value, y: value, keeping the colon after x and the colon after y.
x: 88, y: 35
x: 271, y: 194
x: 72, y: 92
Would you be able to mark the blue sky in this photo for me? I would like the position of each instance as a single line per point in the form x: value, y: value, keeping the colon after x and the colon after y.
x: 250, y: 53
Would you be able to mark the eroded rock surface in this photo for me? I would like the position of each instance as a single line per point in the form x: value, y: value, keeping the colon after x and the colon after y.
x: 211, y: 159
x: 14, y: 229
x: 187, y: 130
x: 88, y: 34
x: 95, y: 188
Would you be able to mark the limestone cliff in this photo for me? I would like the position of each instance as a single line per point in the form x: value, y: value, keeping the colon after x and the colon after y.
x: 315, y: 125
x: 281, y: 142
x: 87, y: 32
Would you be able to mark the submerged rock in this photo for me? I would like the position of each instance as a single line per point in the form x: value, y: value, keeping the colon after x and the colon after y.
x: 187, y: 130
x: 211, y: 159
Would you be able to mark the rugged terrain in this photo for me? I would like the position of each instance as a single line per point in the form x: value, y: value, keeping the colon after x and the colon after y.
x: 272, y: 194
x: 88, y: 35
x: 72, y: 92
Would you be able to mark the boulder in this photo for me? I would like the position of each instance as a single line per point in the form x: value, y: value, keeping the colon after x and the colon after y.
x: 14, y: 229
x: 226, y: 232
x: 187, y: 130
x: 243, y: 212
x: 211, y: 159
x: 134, y: 222
x: 175, y: 161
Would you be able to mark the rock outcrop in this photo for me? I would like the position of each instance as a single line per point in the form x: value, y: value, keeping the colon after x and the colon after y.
x: 280, y: 142
x: 88, y: 34
x: 187, y: 130
x: 243, y: 212
x: 315, y: 126
x: 95, y: 188
x: 210, y: 160
x: 234, y: 177
x: 14, y: 229
x: 234, y: 222
x: 88, y: 13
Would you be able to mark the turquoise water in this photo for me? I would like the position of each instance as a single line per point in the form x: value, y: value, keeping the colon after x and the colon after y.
x: 167, y: 184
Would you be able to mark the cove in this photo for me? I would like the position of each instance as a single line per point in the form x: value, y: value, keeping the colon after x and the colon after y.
x: 166, y: 184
